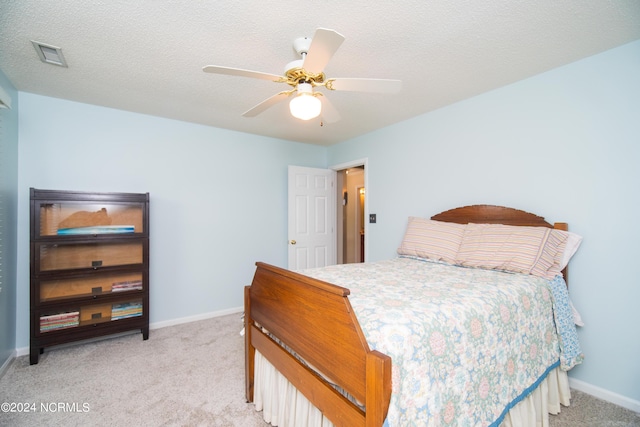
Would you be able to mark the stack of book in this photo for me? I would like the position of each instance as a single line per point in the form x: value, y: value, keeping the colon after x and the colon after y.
x: 126, y: 286
x: 125, y: 310
x: 59, y: 321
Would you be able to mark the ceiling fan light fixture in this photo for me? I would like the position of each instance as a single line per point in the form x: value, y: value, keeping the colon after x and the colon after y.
x: 305, y: 106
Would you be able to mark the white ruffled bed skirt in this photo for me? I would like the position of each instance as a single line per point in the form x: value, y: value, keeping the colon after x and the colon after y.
x: 282, y: 405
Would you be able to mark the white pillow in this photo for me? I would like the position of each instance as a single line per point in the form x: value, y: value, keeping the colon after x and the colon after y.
x: 572, y: 245
x: 577, y: 319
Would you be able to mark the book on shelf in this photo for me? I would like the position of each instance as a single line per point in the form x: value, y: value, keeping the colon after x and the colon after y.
x: 59, y: 321
x: 99, y: 229
x: 126, y: 286
x: 125, y: 310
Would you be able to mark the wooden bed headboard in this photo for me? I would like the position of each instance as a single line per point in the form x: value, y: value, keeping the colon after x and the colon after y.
x: 490, y: 214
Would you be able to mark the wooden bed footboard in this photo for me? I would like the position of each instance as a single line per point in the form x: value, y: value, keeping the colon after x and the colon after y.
x: 315, y: 320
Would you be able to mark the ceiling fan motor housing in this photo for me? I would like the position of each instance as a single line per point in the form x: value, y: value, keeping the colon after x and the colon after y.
x: 294, y: 71
x: 296, y: 74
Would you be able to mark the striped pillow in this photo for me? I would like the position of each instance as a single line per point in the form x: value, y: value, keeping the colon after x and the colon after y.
x: 435, y: 240
x: 549, y: 263
x: 529, y: 250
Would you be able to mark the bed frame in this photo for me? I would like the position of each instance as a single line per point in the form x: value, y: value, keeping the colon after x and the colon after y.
x: 315, y: 320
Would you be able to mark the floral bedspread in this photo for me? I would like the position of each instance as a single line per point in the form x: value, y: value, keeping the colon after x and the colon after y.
x: 465, y: 343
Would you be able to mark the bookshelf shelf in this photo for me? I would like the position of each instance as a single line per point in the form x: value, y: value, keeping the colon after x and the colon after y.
x: 89, y: 266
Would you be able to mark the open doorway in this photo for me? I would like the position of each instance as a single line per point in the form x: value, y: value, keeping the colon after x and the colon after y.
x: 351, y: 233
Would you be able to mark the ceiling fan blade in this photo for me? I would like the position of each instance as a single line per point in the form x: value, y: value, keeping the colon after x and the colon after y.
x: 323, y: 45
x: 216, y: 69
x: 329, y: 112
x: 266, y: 104
x: 365, y: 85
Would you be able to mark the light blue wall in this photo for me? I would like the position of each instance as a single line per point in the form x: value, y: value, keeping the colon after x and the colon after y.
x: 8, y: 192
x: 218, y: 198
x: 564, y: 145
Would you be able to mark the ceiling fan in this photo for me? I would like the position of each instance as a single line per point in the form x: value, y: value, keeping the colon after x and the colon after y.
x: 305, y: 75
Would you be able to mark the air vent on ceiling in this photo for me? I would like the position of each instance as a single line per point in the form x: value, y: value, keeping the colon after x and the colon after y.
x: 49, y: 54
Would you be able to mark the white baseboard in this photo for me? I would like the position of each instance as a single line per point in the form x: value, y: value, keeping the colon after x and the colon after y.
x: 157, y: 325
x: 203, y: 316
x: 609, y: 396
x: 6, y: 363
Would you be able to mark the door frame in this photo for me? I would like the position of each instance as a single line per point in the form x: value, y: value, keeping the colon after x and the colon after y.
x: 342, y: 166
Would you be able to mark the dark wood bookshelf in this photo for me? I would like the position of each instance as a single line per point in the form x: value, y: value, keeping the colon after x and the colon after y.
x: 89, y: 266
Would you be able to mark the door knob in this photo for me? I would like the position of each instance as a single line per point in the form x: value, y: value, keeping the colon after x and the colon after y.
x: 293, y: 242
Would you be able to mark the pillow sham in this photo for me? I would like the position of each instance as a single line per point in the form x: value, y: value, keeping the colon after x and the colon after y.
x: 528, y: 250
x: 572, y: 245
x: 556, y: 243
x: 435, y: 240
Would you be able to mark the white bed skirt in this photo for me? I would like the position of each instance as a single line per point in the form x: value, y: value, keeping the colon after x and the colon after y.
x: 282, y: 405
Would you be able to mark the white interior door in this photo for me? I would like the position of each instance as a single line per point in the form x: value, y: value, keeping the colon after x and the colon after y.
x: 311, y: 217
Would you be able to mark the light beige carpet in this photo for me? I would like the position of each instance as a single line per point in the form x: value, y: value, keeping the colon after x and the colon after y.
x: 185, y: 375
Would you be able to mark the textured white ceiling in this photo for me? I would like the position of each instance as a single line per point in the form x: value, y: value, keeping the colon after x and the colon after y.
x: 147, y: 55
